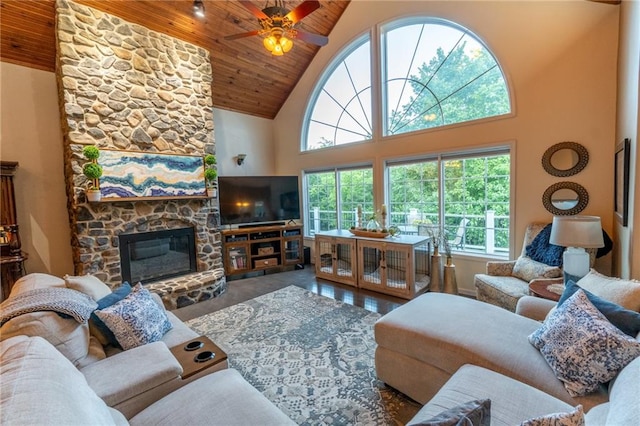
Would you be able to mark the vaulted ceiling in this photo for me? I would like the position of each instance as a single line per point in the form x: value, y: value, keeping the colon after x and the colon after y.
x: 246, y: 77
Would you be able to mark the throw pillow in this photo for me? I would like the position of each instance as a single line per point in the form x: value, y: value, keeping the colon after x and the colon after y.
x: 582, y: 347
x: 627, y: 321
x: 528, y: 269
x: 541, y: 250
x: 97, y: 327
x: 625, y: 293
x: 136, y: 320
x: 574, y: 418
x: 89, y: 285
x: 472, y: 413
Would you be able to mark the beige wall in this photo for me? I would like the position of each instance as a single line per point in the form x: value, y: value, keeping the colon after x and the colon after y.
x: 243, y: 134
x: 560, y: 60
x: 30, y: 133
x: 628, y: 126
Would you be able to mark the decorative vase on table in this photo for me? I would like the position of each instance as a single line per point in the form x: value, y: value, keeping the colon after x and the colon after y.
x: 436, y: 271
x: 449, y: 283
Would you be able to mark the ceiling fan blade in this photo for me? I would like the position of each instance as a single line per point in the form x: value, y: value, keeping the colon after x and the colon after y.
x: 318, y: 39
x: 253, y: 9
x: 303, y: 9
x: 241, y: 35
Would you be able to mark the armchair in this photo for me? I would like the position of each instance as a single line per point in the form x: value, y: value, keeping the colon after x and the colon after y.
x: 507, y: 281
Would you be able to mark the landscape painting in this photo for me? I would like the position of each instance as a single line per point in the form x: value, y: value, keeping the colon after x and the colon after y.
x: 137, y: 175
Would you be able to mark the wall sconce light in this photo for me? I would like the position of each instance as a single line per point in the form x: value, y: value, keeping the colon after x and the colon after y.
x: 198, y: 8
x: 240, y: 159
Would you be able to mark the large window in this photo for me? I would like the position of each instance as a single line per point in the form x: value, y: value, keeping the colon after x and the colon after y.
x: 465, y: 195
x: 333, y: 197
x: 434, y: 73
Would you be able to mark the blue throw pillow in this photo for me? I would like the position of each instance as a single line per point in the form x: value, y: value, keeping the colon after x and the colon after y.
x: 137, y: 319
x: 99, y: 328
x: 582, y: 347
x: 627, y: 321
x: 541, y: 250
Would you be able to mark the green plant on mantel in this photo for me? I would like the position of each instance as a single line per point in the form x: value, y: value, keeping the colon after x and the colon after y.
x: 92, y: 170
x: 210, y: 173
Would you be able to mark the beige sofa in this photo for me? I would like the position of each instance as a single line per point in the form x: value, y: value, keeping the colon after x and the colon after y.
x: 127, y: 381
x: 423, y: 345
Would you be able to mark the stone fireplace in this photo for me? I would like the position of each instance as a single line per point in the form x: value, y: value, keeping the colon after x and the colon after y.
x: 125, y: 87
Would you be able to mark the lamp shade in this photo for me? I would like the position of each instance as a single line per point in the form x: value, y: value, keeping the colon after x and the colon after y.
x: 577, y: 231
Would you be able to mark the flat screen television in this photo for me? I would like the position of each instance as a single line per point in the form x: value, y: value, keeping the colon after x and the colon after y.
x: 258, y: 199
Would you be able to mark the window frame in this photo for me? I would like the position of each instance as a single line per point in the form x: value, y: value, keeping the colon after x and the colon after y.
x: 440, y: 158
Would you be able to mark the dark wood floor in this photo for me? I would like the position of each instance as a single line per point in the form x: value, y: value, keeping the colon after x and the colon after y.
x: 247, y: 288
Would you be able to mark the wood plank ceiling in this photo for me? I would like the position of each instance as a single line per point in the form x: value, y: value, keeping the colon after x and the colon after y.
x: 246, y: 77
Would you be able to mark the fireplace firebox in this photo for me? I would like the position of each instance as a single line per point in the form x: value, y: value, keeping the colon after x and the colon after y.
x: 152, y: 256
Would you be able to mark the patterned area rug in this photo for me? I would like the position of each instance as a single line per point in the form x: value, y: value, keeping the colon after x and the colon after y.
x: 312, y: 356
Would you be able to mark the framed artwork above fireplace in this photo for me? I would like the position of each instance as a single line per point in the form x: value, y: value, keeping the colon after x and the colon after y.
x: 132, y: 175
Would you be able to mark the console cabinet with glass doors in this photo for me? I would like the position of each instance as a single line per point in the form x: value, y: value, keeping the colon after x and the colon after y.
x: 261, y: 248
x: 336, y: 257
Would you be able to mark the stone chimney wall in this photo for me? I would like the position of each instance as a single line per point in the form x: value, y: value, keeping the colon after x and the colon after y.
x: 125, y: 87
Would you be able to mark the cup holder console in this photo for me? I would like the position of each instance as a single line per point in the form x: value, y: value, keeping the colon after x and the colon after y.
x: 192, y: 346
x: 204, y: 356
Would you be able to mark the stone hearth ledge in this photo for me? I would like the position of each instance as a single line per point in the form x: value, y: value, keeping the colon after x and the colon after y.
x: 185, y: 290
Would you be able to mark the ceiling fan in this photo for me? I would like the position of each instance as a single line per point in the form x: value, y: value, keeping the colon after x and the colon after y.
x: 278, y: 26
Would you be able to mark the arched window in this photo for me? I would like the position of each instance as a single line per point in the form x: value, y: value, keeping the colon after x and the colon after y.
x: 341, y: 104
x: 434, y: 73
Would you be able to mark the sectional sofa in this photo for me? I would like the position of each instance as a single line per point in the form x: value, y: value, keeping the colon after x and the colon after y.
x: 54, y: 370
x: 443, y: 350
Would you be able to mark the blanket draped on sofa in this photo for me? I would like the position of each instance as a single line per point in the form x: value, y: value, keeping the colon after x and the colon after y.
x: 61, y: 300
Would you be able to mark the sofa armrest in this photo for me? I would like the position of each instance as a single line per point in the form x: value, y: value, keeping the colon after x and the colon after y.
x: 533, y: 307
x: 500, y: 269
x: 131, y: 373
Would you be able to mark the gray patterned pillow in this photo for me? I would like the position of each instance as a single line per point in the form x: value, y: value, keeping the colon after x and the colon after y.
x: 528, y: 269
x: 574, y: 418
x: 582, y: 347
x: 472, y: 413
x: 136, y: 320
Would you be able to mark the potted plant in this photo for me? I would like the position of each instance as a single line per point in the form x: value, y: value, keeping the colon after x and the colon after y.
x: 210, y: 174
x: 93, y: 171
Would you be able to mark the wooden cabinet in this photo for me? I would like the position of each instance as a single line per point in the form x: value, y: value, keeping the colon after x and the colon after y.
x: 399, y: 267
x: 336, y: 257
x: 396, y: 266
x: 11, y: 256
x: 262, y: 248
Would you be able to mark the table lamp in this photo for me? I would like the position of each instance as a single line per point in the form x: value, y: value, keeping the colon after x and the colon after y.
x: 576, y: 233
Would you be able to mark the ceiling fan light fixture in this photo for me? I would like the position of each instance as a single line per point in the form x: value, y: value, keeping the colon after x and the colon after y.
x: 276, y: 42
x: 198, y: 8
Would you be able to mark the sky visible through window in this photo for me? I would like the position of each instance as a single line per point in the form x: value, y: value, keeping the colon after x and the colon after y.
x: 435, y: 74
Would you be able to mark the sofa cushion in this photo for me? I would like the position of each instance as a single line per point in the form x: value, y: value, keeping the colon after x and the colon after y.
x: 512, y: 402
x: 89, y: 285
x: 135, y: 320
x: 625, y: 293
x: 40, y: 386
x: 35, y: 281
x: 472, y: 413
x: 624, y: 396
x: 582, y: 347
x: 225, y: 395
x: 627, y: 321
x: 68, y: 336
x: 572, y: 418
x: 444, y: 332
x: 528, y: 269
x: 97, y: 327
